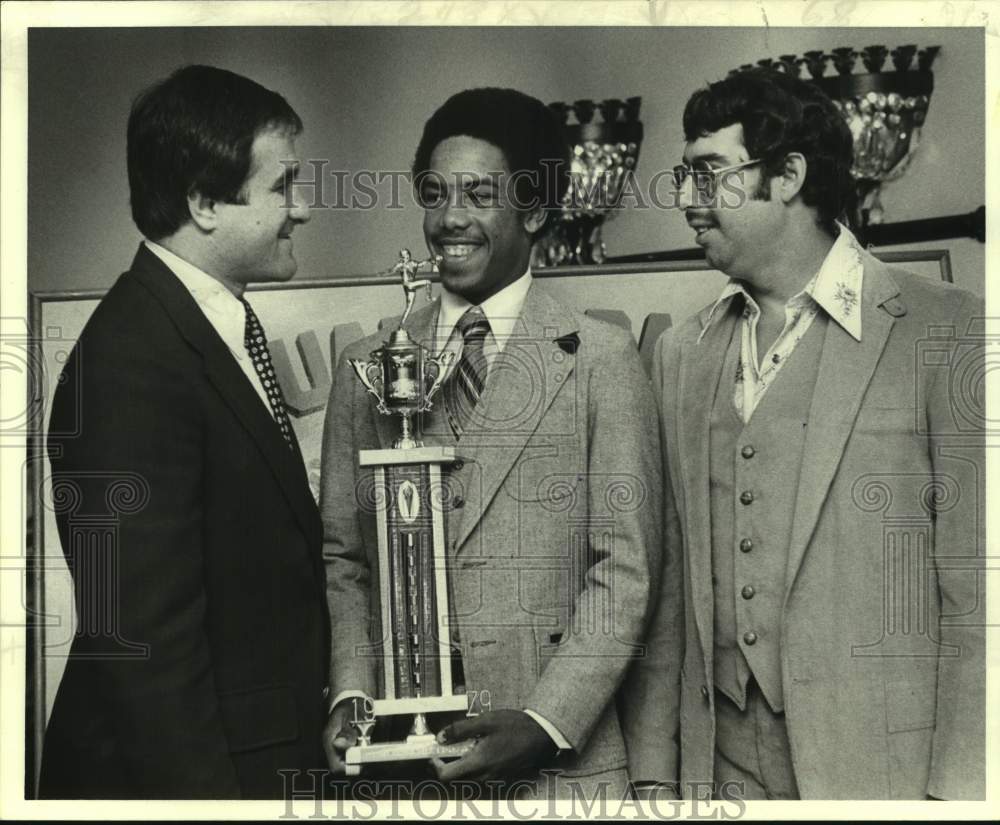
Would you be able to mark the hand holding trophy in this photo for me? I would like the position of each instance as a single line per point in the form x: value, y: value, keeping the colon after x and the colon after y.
x: 403, y: 377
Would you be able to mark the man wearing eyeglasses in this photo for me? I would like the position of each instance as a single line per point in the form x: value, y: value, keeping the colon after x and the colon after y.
x: 827, y: 484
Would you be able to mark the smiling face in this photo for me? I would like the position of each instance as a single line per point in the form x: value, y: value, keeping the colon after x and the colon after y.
x: 253, y: 239
x: 737, y: 228
x: 484, y: 241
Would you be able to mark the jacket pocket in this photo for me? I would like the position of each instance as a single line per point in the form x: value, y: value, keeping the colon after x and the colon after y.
x: 909, y: 707
x: 259, y: 717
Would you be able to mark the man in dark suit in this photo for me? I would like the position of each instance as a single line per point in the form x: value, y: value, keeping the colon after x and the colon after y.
x: 205, y: 677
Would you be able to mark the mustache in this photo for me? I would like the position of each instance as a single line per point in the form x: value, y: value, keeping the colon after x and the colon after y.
x: 700, y: 219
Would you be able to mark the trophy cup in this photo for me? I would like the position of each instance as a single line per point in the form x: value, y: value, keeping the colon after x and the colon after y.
x: 416, y: 652
x: 604, y: 153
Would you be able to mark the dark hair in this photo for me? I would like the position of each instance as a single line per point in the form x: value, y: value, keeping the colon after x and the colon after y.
x: 194, y: 132
x: 781, y: 114
x: 528, y: 133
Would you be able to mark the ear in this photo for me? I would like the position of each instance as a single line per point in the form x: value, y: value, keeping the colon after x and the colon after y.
x: 203, y: 211
x: 534, y: 219
x: 790, y: 182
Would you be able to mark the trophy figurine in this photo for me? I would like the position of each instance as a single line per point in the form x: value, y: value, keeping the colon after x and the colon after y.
x: 403, y: 377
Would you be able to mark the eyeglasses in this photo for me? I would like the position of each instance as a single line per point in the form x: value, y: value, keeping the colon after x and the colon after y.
x: 706, y: 179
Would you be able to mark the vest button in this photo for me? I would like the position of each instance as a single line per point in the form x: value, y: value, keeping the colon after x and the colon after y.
x: 749, y: 637
x: 458, y: 503
x: 747, y: 591
x: 746, y: 497
x: 748, y: 451
x: 704, y: 692
x: 746, y: 545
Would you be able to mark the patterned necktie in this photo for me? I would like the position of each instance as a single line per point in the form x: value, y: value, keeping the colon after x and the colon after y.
x: 255, y: 341
x: 469, y: 377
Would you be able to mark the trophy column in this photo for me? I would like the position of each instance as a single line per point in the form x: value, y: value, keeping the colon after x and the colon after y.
x: 413, y: 587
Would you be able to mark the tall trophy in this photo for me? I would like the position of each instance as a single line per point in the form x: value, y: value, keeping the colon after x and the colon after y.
x: 403, y: 377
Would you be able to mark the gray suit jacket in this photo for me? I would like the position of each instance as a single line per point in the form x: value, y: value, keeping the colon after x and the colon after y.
x: 882, y: 640
x: 553, y: 532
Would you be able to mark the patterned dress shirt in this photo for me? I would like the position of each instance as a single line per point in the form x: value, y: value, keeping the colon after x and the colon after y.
x: 835, y: 289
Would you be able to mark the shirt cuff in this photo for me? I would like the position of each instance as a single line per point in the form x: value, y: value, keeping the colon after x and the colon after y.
x: 345, y: 694
x: 551, y: 730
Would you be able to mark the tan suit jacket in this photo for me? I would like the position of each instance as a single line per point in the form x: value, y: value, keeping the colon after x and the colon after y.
x: 882, y: 641
x: 553, y: 531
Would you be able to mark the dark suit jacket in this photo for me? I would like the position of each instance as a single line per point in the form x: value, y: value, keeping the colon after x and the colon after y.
x: 199, y: 664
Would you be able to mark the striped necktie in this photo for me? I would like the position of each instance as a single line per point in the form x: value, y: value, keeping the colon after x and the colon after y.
x: 469, y: 378
x: 255, y: 342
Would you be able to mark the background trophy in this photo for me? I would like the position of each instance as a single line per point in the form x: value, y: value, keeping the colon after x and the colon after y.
x: 403, y: 377
x: 604, y: 138
x: 885, y: 110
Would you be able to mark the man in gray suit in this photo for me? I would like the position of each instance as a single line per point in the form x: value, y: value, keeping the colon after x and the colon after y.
x: 554, y: 526
x: 827, y: 476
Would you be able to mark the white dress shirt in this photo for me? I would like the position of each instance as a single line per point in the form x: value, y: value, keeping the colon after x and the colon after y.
x: 502, y: 310
x: 223, y: 310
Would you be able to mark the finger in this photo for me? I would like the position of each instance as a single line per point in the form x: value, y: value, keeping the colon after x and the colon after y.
x: 464, y: 729
x: 338, y: 736
x: 333, y: 756
x: 346, y: 737
x: 470, y: 766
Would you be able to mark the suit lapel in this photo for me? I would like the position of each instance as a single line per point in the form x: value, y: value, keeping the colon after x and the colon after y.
x: 523, y: 381
x: 232, y: 385
x: 845, y: 371
x: 700, y: 372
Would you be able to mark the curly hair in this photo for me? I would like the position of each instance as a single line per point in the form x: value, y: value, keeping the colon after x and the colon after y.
x: 782, y: 114
x: 527, y: 131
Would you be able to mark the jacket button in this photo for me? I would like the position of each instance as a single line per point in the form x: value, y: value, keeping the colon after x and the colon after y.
x: 704, y: 692
x: 747, y: 591
x: 750, y: 638
x: 746, y: 545
x: 748, y: 451
x: 746, y: 497
x: 326, y: 692
x: 459, y: 502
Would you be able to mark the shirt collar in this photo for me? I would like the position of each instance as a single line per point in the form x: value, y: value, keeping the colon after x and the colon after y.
x: 836, y: 287
x: 502, y: 310
x: 223, y: 310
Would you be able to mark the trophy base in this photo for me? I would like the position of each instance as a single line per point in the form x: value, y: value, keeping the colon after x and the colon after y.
x: 415, y: 747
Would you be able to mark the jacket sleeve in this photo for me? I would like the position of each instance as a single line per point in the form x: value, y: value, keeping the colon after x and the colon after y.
x: 344, y: 494
x: 138, y: 458
x: 624, y: 484
x: 957, y: 426
x: 650, y: 699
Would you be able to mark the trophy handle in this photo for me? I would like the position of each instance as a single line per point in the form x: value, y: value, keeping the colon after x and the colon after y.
x: 437, y: 367
x: 369, y: 373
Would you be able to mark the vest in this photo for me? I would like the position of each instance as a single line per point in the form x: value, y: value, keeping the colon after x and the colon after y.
x: 753, y: 479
